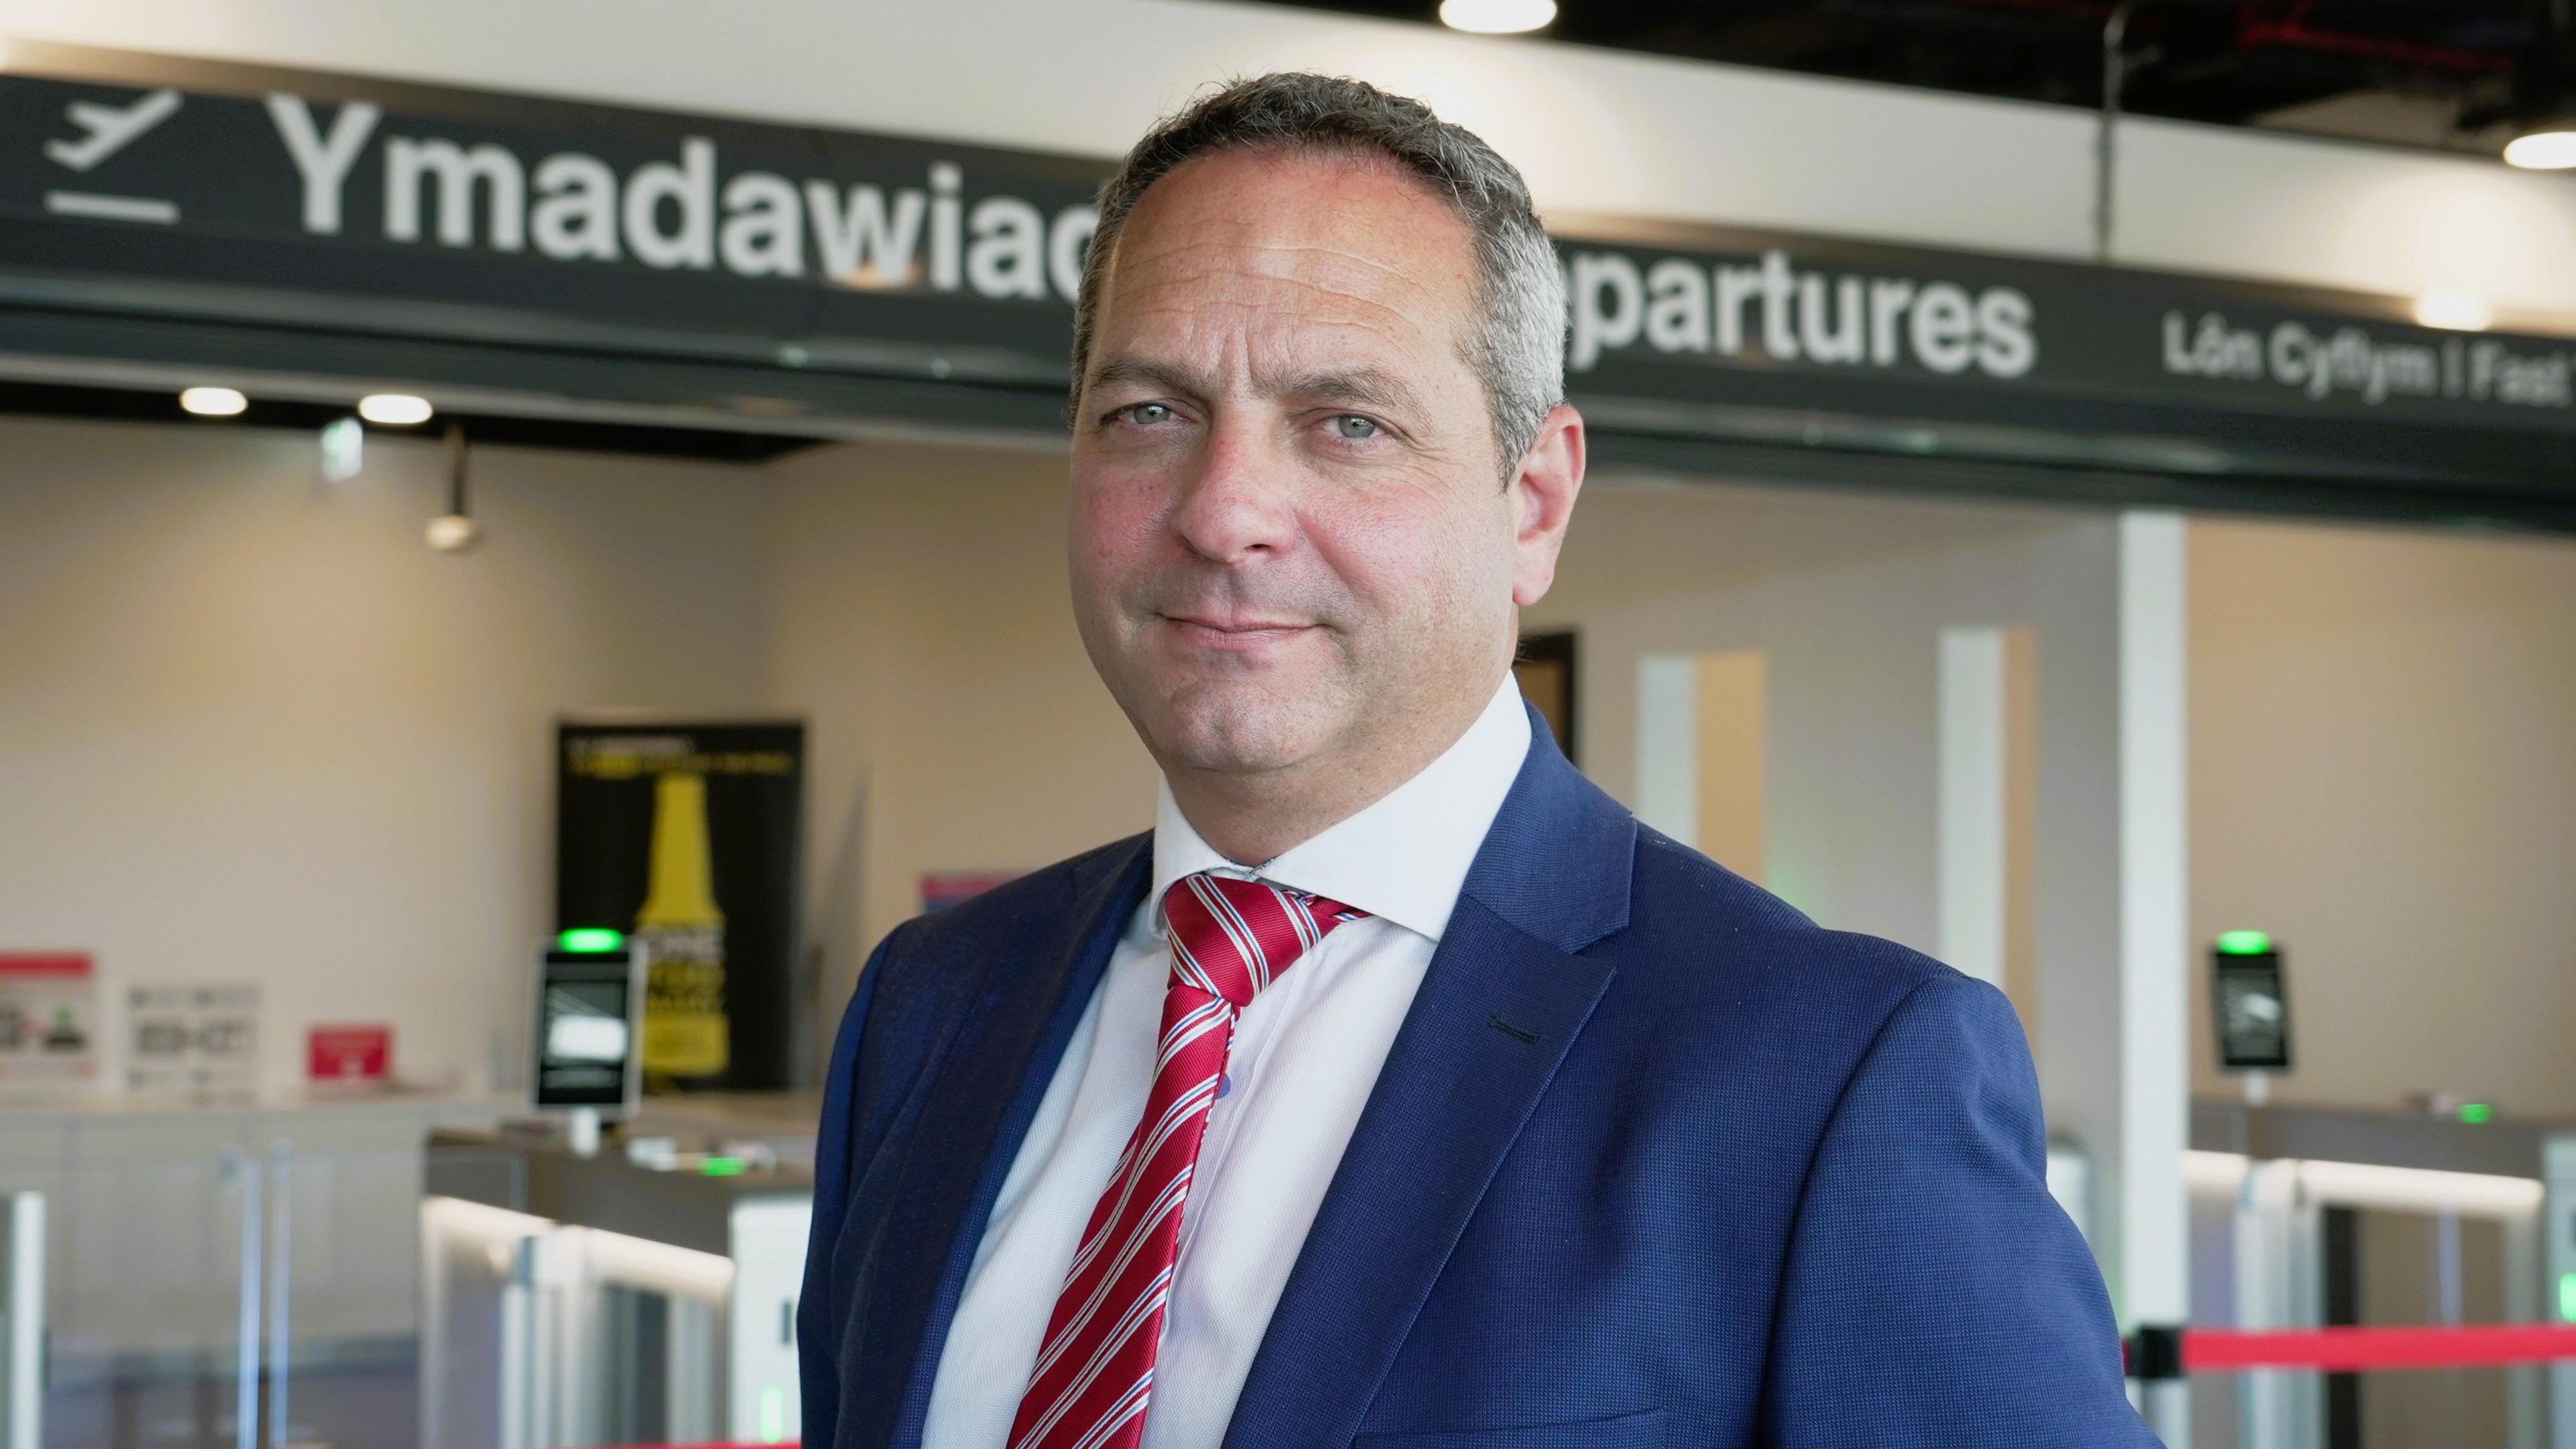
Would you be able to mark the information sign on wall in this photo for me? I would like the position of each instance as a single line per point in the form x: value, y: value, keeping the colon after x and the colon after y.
x: 350, y: 1055
x: 48, y: 1020
x: 193, y: 1039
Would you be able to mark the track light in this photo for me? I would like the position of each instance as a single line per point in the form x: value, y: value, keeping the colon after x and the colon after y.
x: 394, y: 409
x: 455, y: 530
x: 1497, y: 17
x: 213, y: 402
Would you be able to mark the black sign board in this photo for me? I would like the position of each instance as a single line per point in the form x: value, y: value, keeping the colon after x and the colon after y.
x: 1651, y: 321
x: 535, y: 222
x: 783, y: 271
x: 2251, y: 1010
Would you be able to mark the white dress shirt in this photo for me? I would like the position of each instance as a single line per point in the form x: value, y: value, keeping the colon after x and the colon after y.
x: 1306, y: 1054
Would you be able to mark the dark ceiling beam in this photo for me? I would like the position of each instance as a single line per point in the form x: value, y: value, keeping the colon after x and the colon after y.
x: 2225, y: 61
x: 2297, y: 31
x: 1792, y: 37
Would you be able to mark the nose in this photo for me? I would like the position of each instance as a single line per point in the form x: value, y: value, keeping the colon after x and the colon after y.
x: 1239, y: 504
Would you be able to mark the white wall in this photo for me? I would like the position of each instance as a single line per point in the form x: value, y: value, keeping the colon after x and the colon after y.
x: 252, y: 729
x: 2383, y: 740
x: 1596, y: 130
x: 917, y: 613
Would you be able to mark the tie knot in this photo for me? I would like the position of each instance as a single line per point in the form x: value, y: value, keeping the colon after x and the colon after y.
x: 1230, y: 937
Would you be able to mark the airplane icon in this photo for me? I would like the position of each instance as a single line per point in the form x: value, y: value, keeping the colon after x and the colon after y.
x: 111, y: 128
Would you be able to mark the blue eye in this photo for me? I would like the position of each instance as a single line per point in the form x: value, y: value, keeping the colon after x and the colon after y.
x: 1149, y: 413
x: 1352, y: 425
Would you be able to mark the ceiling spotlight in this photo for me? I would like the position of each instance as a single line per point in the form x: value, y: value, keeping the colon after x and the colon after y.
x: 2550, y: 146
x: 2454, y: 311
x: 1497, y: 17
x: 455, y: 531
x: 394, y: 409
x: 213, y: 402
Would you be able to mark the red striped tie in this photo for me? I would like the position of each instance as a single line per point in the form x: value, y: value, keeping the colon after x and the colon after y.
x: 1229, y: 939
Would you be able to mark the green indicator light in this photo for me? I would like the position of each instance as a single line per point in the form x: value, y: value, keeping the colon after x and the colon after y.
x: 2477, y: 1113
x: 2567, y: 1297
x: 723, y: 1167
x: 591, y: 938
x: 773, y: 1414
x: 2243, y: 943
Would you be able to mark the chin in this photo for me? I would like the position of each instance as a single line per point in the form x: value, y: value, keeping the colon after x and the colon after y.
x: 1236, y: 735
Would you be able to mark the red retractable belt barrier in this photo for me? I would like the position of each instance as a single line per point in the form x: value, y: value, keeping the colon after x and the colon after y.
x: 2165, y: 1353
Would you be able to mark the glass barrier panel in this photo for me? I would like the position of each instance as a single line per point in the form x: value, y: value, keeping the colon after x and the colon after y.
x: 155, y: 1341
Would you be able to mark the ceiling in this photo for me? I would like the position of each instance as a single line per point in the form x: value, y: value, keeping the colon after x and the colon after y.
x: 2452, y: 74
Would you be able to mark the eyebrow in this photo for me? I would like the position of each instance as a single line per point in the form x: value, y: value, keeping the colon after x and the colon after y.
x: 1367, y: 386
x: 1160, y: 376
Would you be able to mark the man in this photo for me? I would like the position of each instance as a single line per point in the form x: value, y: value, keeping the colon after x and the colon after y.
x: 1399, y: 1089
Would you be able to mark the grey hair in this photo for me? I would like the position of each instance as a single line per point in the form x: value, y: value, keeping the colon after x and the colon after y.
x: 1517, y: 341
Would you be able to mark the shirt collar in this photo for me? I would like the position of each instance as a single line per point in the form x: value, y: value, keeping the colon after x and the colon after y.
x: 1404, y: 857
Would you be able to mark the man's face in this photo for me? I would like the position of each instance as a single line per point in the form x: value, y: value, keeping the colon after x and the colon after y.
x: 1292, y: 543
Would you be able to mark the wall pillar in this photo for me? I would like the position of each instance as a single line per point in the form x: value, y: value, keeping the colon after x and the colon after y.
x: 2154, y: 1260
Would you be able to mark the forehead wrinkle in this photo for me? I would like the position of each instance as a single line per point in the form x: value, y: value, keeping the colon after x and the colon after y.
x: 1267, y: 313
x: 1250, y: 292
x: 1232, y: 191
x: 1290, y: 253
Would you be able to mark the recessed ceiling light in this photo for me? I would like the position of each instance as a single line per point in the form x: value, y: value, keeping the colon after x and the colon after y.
x: 213, y: 402
x: 2455, y: 311
x: 2547, y: 150
x: 1496, y: 17
x: 394, y: 409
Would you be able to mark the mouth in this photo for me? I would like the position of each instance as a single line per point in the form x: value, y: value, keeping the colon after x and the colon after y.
x: 1214, y: 632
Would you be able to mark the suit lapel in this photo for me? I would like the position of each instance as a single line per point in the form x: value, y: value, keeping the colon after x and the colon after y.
x: 989, y: 1084
x: 1503, y: 1000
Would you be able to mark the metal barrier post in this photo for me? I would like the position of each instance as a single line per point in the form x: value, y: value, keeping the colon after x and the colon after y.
x: 238, y: 1166
x: 521, y: 1378
x: 22, y: 1337
x: 2276, y: 1287
x: 281, y: 1286
x: 2557, y: 1235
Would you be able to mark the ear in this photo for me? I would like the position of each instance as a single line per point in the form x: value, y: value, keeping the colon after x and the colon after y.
x: 1542, y: 498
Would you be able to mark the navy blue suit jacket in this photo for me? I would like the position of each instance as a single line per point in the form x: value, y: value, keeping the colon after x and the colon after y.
x: 1654, y: 1160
